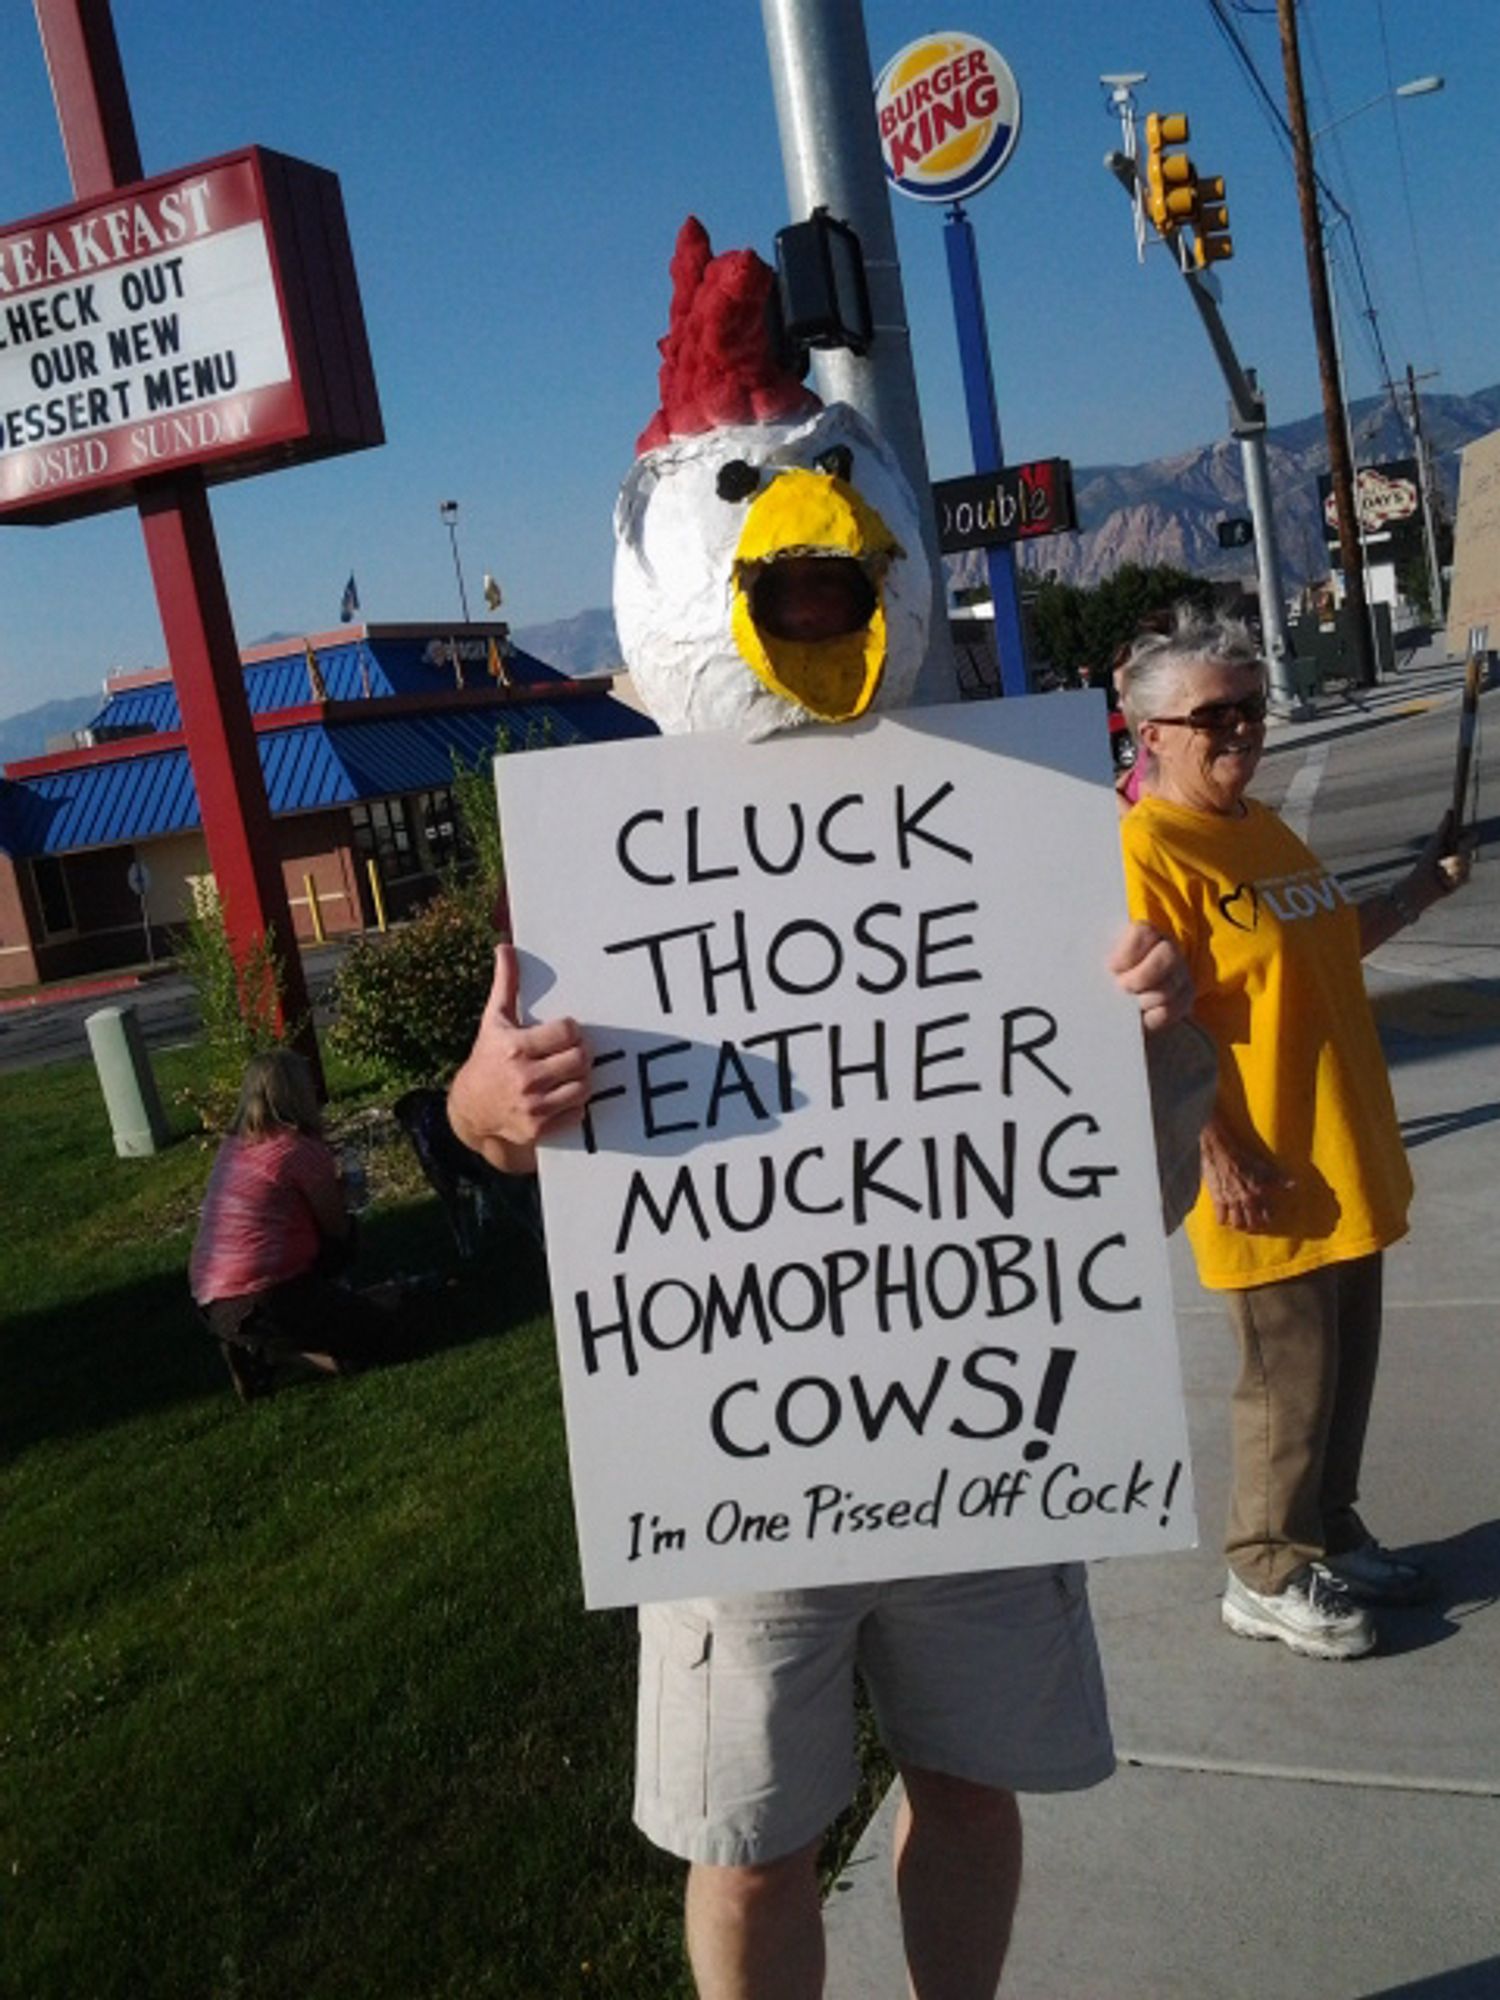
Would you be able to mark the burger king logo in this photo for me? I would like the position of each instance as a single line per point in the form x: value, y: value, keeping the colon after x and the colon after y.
x: 949, y: 115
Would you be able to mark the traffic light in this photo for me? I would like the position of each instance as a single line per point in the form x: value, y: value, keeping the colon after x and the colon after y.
x: 1212, y: 242
x: 1171, y: 186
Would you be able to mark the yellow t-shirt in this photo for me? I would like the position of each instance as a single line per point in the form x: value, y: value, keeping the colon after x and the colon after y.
x: 1273, y: 944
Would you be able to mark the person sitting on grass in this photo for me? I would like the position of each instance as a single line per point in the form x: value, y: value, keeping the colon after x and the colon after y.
x: 274, y: 1233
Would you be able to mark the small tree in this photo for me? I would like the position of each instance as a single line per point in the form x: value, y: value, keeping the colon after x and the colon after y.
x: 479, y: 815
x: 239, y: 1002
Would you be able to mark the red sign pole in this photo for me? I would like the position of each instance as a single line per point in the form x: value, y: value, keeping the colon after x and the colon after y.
x: 98, y: 132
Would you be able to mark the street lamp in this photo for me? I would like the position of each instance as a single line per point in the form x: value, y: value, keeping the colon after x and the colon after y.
x: 448, y: 510
x: 1420, y: 86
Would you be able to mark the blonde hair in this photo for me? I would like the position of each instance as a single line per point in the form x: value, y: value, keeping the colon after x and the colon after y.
x: 276, y: 1095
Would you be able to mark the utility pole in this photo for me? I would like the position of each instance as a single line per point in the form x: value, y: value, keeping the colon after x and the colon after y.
x: 1340, y: 464
x: 1424, y: 482
x: 830, y: 151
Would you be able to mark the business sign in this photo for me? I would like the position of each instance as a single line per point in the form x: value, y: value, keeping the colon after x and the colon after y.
x: 1388, y: 501
x: 209, y: 317
x: 857, y: 1260
x: 949, y: 114
x: 988, y: 510
x: 1474, y: 603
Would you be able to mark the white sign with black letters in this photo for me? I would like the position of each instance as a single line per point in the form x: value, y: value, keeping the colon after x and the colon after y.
x: 857, y: 1261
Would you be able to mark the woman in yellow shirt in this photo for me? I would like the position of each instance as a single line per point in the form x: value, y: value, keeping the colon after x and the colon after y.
x: 1305, y: 1180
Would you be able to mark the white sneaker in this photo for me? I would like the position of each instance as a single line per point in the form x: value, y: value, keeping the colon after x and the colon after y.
x: 1314, y: 1615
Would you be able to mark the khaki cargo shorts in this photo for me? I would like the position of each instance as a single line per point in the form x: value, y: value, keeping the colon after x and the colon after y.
x: 745, y: 1748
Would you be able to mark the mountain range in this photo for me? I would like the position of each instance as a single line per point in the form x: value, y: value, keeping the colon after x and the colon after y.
x: 1165, y: 511
x: 1168, y: 510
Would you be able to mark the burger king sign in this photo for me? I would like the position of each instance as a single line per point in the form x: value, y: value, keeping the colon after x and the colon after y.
x: 949, y: 115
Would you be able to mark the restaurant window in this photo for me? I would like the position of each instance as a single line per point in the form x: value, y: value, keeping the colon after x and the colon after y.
x: 56, y: 905
x: 383, y: 829
x: 442, y: 834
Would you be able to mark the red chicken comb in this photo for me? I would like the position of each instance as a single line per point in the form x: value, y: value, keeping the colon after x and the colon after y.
x: 718, y: 362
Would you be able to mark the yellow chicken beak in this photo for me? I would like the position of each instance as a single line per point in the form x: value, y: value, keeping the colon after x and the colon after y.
x: 808, y: 571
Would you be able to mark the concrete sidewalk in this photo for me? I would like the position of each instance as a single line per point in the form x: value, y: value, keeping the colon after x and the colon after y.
x: 1284, y: 1828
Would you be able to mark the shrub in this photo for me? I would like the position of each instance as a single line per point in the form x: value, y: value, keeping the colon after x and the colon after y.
x: 406, y: 1005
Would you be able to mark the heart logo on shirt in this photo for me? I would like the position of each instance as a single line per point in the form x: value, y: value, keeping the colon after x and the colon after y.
x: 1241, y: 907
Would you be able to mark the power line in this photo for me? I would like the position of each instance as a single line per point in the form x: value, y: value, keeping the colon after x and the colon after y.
x: 1370, y: 325
x: 1219, y: 13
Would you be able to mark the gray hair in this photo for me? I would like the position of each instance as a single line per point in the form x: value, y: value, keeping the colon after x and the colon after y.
x: 1157, y: 658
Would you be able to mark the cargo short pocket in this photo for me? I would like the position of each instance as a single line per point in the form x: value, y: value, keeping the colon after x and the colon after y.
x: 676, y: 1717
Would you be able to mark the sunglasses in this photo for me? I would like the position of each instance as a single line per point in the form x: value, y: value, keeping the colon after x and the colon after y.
x: 1218, y: 718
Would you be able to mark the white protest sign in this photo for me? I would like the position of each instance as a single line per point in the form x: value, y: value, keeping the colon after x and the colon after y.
x: 857, y: 1260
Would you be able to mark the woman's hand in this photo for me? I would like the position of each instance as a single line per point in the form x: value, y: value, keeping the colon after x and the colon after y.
x: 1152, y: 968
x: 1242, y: 1181
x: 517, y: 1083
x: 1443, y: 865
x: 1438, y: 870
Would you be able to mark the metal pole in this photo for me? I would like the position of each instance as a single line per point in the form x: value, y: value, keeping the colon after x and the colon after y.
x: 1247, y: 421
x: 830, y: 151
x: 449, y: 511
x: 984, y: 436
x: 1351, y: 558
x: 1349, y: 427
x: 1273, y: 626
x: 1424, y: 481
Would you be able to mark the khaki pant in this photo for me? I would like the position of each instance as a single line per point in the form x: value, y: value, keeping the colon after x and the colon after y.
x: 1308, y: 1353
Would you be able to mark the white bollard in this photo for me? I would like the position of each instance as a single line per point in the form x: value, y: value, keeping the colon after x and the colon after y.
x: 125, y: 1076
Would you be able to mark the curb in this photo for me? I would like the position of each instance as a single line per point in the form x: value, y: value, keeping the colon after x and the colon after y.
x: 83, y: 990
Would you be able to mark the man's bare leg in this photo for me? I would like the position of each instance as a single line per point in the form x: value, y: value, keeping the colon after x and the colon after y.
x: 757, y: 1933
x: 958, y: 1874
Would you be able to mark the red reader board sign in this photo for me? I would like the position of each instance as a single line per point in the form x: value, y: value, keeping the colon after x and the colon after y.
x: 987, y: 510
x: 209, y: 317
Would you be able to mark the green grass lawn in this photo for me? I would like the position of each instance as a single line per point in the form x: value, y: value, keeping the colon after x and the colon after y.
x: 295, y: 1699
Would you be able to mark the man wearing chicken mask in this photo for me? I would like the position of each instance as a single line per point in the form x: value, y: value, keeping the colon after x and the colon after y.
x: 769, y: 575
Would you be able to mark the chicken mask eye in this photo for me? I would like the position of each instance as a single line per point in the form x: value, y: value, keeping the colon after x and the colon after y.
x: 839, y: 460
x: 737, y: 480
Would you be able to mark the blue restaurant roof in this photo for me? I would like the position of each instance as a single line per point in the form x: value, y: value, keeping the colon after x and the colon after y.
x: 307, y: 766
x: 355, y: 671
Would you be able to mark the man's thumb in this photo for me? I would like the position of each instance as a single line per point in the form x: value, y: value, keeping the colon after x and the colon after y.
x: 505, y: 988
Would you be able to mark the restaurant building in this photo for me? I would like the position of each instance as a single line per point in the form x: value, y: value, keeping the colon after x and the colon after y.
x: 101, y: 844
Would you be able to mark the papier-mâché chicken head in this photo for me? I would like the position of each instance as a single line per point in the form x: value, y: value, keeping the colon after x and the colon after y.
x: 769, y: 570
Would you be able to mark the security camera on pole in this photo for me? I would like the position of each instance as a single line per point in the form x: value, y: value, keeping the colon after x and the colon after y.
x: 1187, y: 211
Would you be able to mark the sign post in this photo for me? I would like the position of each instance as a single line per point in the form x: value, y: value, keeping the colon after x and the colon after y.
x: 139, y: 878
x: 201, y: 325
x: 949, y: 113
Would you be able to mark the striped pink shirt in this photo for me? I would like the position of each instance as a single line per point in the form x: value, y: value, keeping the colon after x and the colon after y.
x: 257, y: 1227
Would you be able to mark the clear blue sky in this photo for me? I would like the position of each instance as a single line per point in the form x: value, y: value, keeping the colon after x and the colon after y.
x: 514, y: 177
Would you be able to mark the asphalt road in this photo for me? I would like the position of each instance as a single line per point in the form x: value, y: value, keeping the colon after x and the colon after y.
x: 1377, y: 785
x: 54, y: 1031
